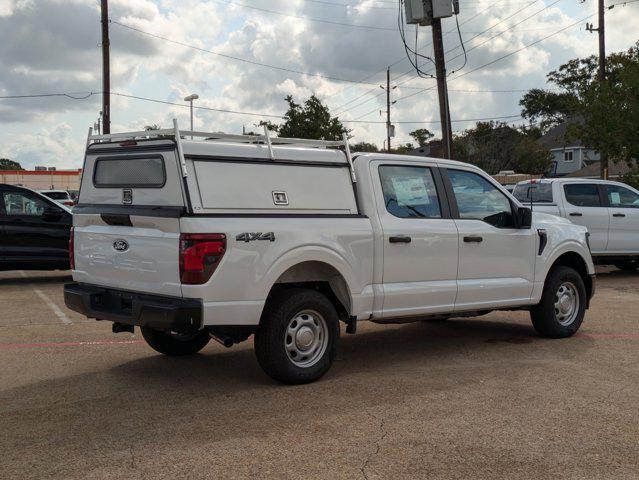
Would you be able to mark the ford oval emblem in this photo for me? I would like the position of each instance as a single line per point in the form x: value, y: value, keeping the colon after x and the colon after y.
x: 120, y: 245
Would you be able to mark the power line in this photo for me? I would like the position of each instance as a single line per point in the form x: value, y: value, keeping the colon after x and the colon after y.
x: 42, y: 95
x: 239, y: 59
x: 349, y: 5
x: 524, y: 47
x: 530, y: 3
x: 488, y: 39
x: 399, y: 61
x: 460, y: 120
x: 220, y: 110
x: 311, y: 19
x: 235, y: 112
x: 507, y: 55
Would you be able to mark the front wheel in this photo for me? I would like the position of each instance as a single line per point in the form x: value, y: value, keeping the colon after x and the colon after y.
x: 563, y: 304
x: 298, y: 336
x: 175, y: 344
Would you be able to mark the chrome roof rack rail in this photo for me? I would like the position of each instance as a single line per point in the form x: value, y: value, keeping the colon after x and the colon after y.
x: 177, y: 134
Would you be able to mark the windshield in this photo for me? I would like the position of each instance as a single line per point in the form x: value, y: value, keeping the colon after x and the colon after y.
x: 57, y: 195
x: 541, y: 192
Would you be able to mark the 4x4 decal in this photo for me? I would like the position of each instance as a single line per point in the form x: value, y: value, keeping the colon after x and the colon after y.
x: 251, y: 237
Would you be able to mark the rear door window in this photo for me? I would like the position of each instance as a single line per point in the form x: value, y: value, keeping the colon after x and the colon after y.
x: 131, y: 172
x: 410, y: 192
x: 536, y: 192
x: 583, y: 194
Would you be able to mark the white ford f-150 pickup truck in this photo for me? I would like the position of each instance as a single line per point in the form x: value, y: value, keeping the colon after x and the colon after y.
x: 232, y: 236
x: 610, y: 211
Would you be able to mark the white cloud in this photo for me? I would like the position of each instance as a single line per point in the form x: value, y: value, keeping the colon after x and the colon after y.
x: 51, y: 147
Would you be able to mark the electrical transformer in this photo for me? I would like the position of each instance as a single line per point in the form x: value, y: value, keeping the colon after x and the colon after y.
x: 422, y: 12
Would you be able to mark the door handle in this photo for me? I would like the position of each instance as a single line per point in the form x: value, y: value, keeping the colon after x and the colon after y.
x: 473, y: 239
x: 400, y: 239
x: 576, y: 214
x: 619, y: 215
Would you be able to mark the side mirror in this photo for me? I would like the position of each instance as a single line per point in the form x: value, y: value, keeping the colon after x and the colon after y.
x: 524, y: 217
x: 51, y: 214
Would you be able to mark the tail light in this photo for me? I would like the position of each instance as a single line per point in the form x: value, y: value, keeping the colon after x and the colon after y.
x: 200, y: 254
x: 72, y: 249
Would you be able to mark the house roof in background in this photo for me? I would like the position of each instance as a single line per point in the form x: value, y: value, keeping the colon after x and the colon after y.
x: 556, y: 137
x: 593, y: 170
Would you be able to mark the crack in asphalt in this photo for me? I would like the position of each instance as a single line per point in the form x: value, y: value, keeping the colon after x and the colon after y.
x: 132, y: 454
x: 378, y: 445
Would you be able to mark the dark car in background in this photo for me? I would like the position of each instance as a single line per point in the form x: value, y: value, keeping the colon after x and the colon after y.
x: 60, y: 196
x: 34, y: 231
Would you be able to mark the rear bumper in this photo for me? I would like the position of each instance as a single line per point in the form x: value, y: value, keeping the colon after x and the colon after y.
x: 131, y: 308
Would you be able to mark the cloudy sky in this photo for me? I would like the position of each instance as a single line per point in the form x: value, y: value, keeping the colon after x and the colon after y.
x: 310, y: 46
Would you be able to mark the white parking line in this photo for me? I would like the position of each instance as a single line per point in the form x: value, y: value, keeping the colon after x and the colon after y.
x: 54, y: 308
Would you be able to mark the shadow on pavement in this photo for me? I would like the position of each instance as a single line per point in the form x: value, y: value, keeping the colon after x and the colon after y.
x: 40, y: 279
x: 221, y: 395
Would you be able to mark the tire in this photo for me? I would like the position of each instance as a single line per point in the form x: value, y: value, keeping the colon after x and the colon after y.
x: 175, y: 344
x: 628, y: 265
x: 563, y: 304
x: 298, y: 336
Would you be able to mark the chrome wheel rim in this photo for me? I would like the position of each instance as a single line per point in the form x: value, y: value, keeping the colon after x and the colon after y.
x: 306, y: 338
x: 566, y: 303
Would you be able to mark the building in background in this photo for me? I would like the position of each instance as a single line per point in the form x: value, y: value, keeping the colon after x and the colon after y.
x: 569, y: 155
x: 43, y: 179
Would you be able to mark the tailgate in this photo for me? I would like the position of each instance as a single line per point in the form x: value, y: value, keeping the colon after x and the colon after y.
x: 143, y: 257
x: 127, y: 221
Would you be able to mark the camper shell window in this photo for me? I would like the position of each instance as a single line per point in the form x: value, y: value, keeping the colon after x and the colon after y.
x: 130, y: 172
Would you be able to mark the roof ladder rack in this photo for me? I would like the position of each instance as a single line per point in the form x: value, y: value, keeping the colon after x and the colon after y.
x: 177, y: 135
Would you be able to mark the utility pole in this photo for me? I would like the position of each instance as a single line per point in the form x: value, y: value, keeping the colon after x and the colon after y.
x: 601, y: 29
x: 106, y: 70
x: 601, y: 73
x: 442, y: 89
x: 388, y: 111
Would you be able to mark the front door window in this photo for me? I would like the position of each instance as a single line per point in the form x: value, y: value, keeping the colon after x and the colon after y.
x: 20, y: 204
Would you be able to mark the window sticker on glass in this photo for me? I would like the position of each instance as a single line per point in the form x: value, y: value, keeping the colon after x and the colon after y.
x: 615, y: 198
x: 410, y: 191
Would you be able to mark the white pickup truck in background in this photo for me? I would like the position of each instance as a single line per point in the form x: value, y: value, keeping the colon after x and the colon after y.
x: 284, y: 238
x: 610, y: 211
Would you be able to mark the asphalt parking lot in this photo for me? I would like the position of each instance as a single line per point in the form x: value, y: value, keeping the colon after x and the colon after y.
x: 482, y: 398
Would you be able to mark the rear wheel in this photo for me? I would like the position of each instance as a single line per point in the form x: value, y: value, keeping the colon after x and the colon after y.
x: 173, y: 343
x: 298, y: 336
x: 563, y: 304
x: 628, y: 265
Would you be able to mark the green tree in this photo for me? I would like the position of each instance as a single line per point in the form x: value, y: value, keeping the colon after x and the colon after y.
x: 489, y: 145
x: 632, y: 178
x: 531, y: 157
x: 495, y: 146
x: 403, y: 149
x: 364, y: 147
x: 422, y: 136
x: 6, y: 164
x: 603, y: 115
x: 311, y: 120
x: 611, y: 110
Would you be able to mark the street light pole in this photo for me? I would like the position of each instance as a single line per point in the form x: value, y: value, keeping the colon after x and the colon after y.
x: 190, y: 99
